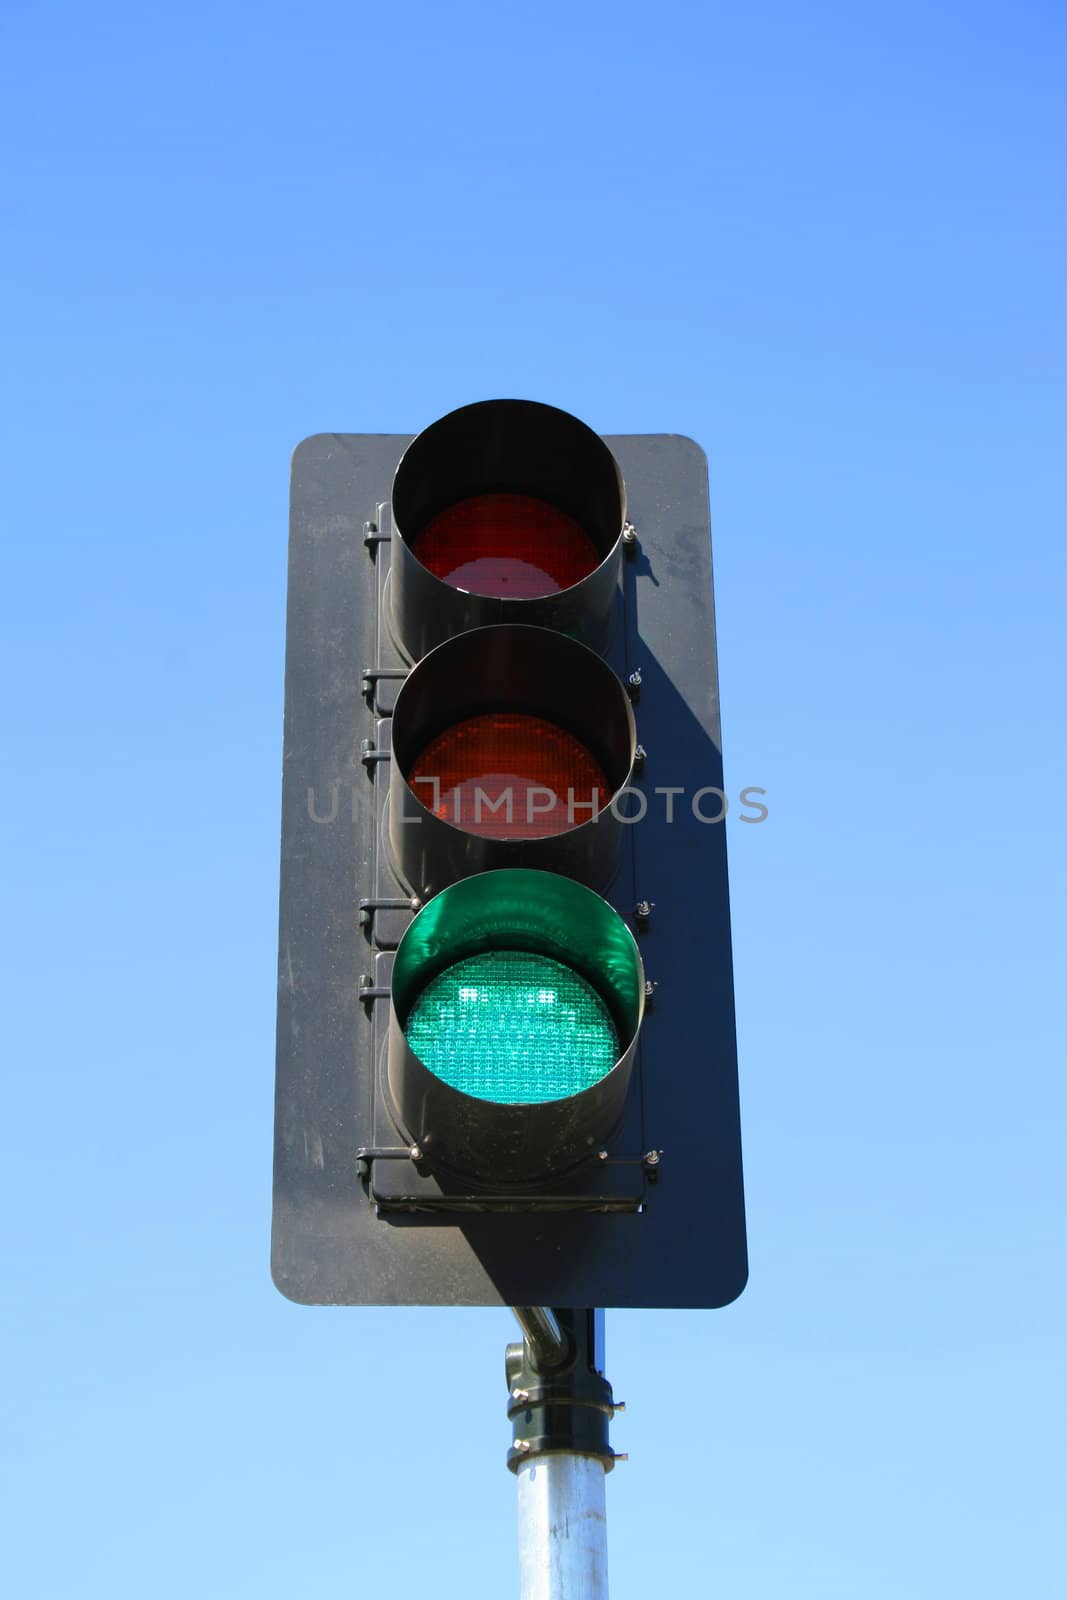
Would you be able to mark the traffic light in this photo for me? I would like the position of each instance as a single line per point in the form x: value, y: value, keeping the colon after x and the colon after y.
x: 506, y: 1059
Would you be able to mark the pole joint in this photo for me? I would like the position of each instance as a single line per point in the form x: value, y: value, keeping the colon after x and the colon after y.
x: 558, y: 1404
x: 548, y: 1344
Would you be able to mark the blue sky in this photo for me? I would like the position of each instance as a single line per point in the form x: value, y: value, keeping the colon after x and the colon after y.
x: 828, y: 243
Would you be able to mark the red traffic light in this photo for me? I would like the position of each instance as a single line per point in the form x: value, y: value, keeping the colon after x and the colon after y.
x: 509, y: 775
x: 515, y: 546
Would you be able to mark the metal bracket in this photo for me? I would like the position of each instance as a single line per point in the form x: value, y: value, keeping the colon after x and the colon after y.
x: 368, y: 1154
x: 368, y: 907
x: 369, y: 990
x: 372, y: 676
x: 370, y: 755
x: 373, y: 529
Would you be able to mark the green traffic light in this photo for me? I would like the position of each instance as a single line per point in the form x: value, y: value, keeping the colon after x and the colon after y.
x: 513, y: 1026
x: 517, y: 997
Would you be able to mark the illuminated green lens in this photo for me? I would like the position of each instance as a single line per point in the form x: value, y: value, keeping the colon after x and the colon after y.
x: 514, y: 1027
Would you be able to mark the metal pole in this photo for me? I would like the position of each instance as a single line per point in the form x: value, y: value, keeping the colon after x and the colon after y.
x: 544, y: 1337
x: 563, y: 1535
x: 560, y: 1406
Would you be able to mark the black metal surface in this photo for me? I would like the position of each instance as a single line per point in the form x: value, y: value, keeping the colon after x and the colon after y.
x: 686, y: 1247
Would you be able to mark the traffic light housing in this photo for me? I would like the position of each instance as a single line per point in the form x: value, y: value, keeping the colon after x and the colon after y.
x: 506, y: 1059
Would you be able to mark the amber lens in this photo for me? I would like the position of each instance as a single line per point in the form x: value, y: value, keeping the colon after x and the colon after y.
x: 510, y: 545
x: 507, y: 775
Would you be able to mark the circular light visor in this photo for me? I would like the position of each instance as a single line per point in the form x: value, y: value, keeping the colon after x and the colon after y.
x: 513, y: 1026
x: 515, y: 546
x: 509, y: 775
x: 514, y: 988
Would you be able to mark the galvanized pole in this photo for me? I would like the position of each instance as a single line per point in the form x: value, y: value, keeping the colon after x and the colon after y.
x: 563, y: 1535
x: 560, y: 1405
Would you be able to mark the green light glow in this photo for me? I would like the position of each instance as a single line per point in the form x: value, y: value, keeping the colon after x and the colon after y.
x: 513, y: 1027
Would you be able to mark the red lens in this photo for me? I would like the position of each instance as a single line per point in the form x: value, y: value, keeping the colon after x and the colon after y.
x: 512, y: 545
x: 507, y: 775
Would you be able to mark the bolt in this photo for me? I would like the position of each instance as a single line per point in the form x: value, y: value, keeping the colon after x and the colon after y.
x: 621, y: 1456
x: 522, y: 1444
x: 620, y: 1405
x: 650, y: 1158
x: 640, y: 757
x: 650, y: 993
x: 520, y: 1395
x: 602, y: 1155
x: 643, y: 911
x: 416, y: 1154
x: 629, y: 533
